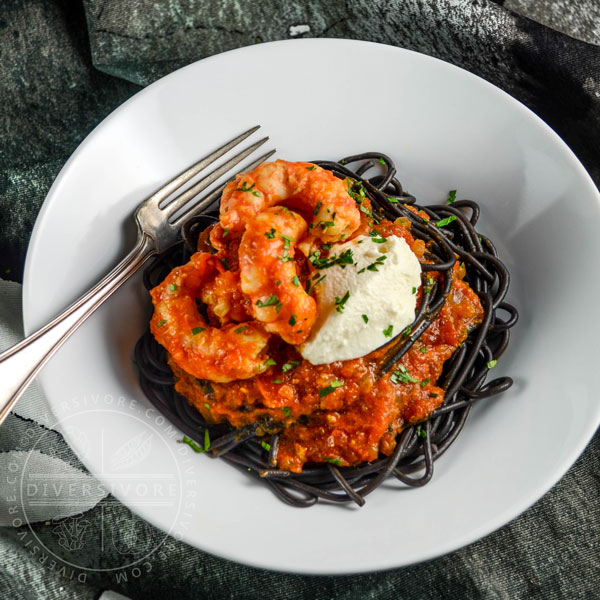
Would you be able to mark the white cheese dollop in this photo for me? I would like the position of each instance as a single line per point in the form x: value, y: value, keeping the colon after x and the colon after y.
x: 385, y: 294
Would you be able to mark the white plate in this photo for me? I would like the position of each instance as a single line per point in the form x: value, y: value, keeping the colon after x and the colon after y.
x: 446, y: 129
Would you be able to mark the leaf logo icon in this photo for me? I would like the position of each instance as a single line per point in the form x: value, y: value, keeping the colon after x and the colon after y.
x: 132, y: 452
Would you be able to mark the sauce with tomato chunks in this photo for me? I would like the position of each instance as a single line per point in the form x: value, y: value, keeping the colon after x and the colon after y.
x: 341, y: 412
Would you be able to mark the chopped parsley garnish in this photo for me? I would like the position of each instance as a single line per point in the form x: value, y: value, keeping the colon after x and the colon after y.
x: 172, y: 287
x: 365, y: 210
x: 422, y: 349
x: 278, y: 282
x: 432, y: 395
x: 271, y: 234
x: 225, y: 232
x: 373, y: 266
x: 357, y: 192
x: 278, y: 307
x: 192, y: 444
x: 241, y: 329
x: 288, y: 366
x: 161, y: 322
x: 343, y: 259
x: 311, y: 168
x: 378, y: 240
x: 333, y: 461
x: 286, y: 240
x: 414, y: 290
x: 382, y: 161
x: 393, y: 200
x: 365, y: 318
x: 446, y: 221
x: 310, y: 287
x: 224, y: 263
x: 424, y: 383
x: 245, y: 188
x: 287, y: 411
x: 388, y: 331
x: 286, y: 257
x: 207, y: 405
x: 197, y: 330
x: 339, y: 302
x: 325, y: 224
x: 421, y: 432
x: 277, y: 381
x: 451, y: 197
x: 270, y: 362
x: 195, y: 447
x: 401, y: 375
x: 492, y: 364
x: 407, y: 331
x: 317, y: 208
x: 272, y: 300
x: 330, y: 388
x: 296, y: 281
x: 292, y: 320
x: 265, y: 445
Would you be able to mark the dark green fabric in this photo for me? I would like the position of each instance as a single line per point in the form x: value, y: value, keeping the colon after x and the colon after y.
x: 65, y: 65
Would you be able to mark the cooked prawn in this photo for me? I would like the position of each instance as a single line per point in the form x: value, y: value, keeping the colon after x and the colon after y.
x: 234, y: 351
x: 268, y: 274
x: 315, y: 192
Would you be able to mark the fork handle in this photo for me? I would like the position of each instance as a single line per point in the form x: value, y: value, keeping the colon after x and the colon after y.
x: 21, y: 363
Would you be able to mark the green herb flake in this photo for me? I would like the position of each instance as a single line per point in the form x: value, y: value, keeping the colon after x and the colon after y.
x: 225, y: 232
x: 414, y: 290
x: 333, y: 461
x: 286, y: 241
x: 272, y: 300
x: 401, y: 375
x: 224, y: 263
x: 433, y: 395
x: 270, y: 362
x: 311, y: 168
x: 270, y: 234
x: 393, y: 200
x: 161, y: 322
x: 446, y: 221
x: 251, y: 189
x: 265, y: 445
x: 277, y: 381
x: 288, y: 366
x: 421, y: 433
x: 197, y: 330
x: 292, y: 320
x: 365, y: 318
x: 407, y: 331
x: 340, y: 302
x: 379, y: 240
x: 206, y: 440
x: 278, y: 282
x: 422, y: 349
x: 451, y: 197
x: 207, y: 405
x: 388, y: 331
x: 424, y: 383
x: 330, y: 388
x: 317, y: 208
x: 287, y: 411
x: 192, y: 444
x: 241, y: 329
x: 382, y: 161
x: 286, y: 257
x: 492, y: 364
x: 172, y: 287
x: 296, y: 281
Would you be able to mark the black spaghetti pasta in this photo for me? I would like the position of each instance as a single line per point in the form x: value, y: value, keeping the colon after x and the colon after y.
x: 463, y: 378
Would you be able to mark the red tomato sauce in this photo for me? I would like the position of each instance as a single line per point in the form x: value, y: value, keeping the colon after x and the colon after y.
x: 342, y: 412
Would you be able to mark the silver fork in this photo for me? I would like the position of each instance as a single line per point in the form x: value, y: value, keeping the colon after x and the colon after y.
x: 158, y: 221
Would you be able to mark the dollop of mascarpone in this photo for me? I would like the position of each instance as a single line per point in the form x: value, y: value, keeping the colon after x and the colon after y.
x: 385, y: 294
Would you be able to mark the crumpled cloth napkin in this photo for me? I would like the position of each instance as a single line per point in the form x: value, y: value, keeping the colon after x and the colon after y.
x: 64, y: 67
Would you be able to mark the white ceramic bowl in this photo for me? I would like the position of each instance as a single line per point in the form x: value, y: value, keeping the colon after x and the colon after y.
x: 446, y: 129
